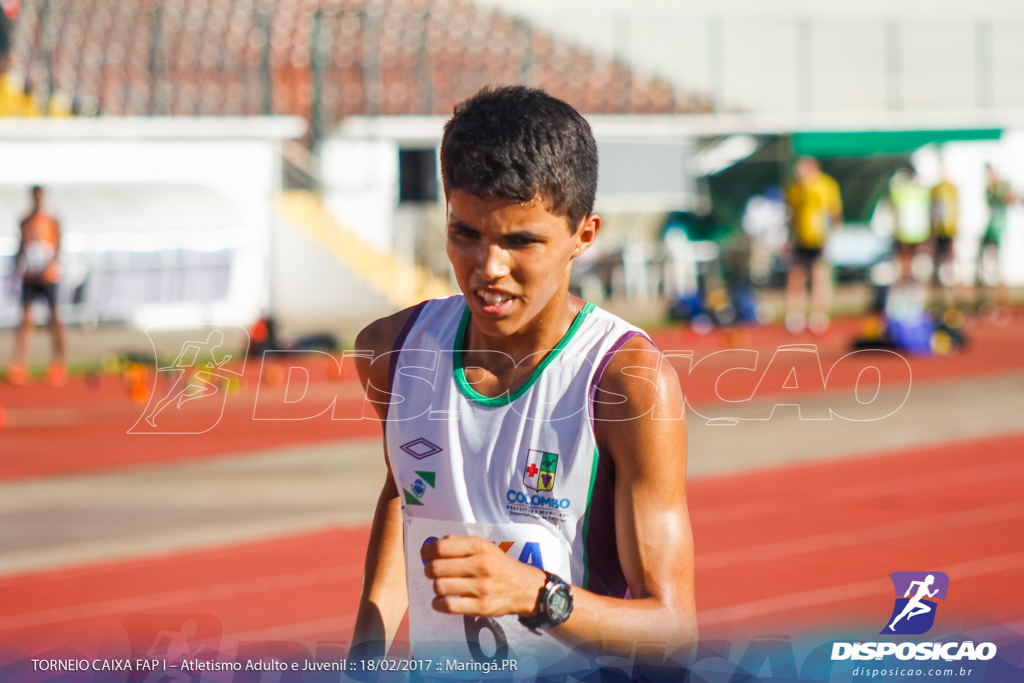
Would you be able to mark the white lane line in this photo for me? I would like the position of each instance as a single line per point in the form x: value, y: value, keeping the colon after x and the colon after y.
x: 181, y: 539
x: 849, y: 591
x: 910, y: 484
x: 860, y: 536
x: 220, y: 591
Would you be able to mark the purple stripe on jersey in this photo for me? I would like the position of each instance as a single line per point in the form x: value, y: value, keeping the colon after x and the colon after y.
x: 400, y: 342
x: 603, y: 365
x: 604, y: 573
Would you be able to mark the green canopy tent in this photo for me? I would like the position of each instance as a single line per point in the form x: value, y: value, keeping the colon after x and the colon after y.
x: 861, y: 162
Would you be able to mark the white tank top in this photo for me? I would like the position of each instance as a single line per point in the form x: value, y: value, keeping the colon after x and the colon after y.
x: 522, y: 469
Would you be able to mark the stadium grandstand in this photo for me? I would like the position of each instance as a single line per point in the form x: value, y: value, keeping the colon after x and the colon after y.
x: 179, y: 69
x: 320, y: 59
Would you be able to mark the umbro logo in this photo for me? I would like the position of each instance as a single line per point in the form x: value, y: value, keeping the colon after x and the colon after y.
x: 421, y: 448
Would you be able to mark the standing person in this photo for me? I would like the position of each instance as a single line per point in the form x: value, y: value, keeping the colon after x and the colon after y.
x: 998, y: 195
x: 945, y: 215
x: 512, y: 429
x: 815, y: 207
x: 37, y: 264
x: 911, y: 203
x: 765, y: 220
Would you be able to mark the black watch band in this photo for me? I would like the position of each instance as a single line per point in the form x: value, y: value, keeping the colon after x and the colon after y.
x: 554, y: 604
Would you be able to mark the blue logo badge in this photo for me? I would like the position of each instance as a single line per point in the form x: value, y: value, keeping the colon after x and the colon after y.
x: 419, y: 487
x: 916, y: 592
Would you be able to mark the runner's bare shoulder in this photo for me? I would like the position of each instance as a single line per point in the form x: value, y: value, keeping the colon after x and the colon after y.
x: 376, y: 340
x: 636, y: 386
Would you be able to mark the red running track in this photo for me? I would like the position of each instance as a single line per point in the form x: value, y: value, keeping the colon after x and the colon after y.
x: 777, y: 551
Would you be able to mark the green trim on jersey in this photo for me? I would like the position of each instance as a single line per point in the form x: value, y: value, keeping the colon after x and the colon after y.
x: 490, y: 401
x: 586, y: 520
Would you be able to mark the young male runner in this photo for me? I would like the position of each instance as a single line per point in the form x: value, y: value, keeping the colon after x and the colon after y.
x: 524, y: 428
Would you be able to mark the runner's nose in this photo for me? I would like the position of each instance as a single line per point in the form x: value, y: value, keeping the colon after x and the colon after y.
x: 493, y: 264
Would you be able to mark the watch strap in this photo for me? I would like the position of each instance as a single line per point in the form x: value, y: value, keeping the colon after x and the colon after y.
x: 543, y: 618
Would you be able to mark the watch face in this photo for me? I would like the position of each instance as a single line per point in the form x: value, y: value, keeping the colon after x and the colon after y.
x: 558, y: 603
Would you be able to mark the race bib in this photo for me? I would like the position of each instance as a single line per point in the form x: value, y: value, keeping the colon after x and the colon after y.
x: 455, y: 641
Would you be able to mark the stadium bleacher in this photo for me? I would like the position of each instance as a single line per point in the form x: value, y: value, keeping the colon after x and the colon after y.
x: 250, y: 57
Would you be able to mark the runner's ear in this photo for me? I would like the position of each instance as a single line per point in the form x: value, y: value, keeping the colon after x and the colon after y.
x: 586, y: 233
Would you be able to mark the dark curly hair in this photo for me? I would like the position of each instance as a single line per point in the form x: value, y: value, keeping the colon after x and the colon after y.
x: 520, y: 143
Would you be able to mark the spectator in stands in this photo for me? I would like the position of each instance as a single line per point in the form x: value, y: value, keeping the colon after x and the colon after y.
x: 815, y: 208
x: 5, y: 49
x: 5, y: 37
x: 13, y: 100
x: 37, y: 266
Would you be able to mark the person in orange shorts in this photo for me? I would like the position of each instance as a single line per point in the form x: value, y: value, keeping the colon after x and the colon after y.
x: 37, y: 266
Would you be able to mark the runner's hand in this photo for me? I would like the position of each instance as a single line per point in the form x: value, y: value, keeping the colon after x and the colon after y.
x: 473, y: 576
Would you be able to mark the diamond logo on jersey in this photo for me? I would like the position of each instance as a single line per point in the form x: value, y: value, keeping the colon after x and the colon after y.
x: 414, y: 494
x: 539, y: 474
x: 421, y: 448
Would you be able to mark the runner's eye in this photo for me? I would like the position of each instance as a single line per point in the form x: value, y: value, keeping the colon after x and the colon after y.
x: 523, y: 240
x: 464, y: 232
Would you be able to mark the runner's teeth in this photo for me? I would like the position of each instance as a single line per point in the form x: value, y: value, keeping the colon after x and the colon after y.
x: 492, y: 299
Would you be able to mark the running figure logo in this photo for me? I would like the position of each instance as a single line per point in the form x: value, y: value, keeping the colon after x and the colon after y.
x: 914, y: 612
x: 172, y: 638
x: 200, y: 370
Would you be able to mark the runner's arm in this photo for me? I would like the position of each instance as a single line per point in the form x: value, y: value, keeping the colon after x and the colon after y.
x: 654, y: 538
x: 384, y: 598
x: 383, y: 601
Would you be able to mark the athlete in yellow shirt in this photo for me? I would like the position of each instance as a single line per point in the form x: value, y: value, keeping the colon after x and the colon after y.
x: 815, y: 206
x: 945, y: 214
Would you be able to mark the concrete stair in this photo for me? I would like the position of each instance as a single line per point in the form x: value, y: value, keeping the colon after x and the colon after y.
x: 402, y: 284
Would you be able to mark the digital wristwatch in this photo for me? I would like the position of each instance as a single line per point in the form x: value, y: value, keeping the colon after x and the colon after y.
x: 554, y: 605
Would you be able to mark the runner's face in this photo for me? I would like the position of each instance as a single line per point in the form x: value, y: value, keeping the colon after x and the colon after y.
x: 512, y: 260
